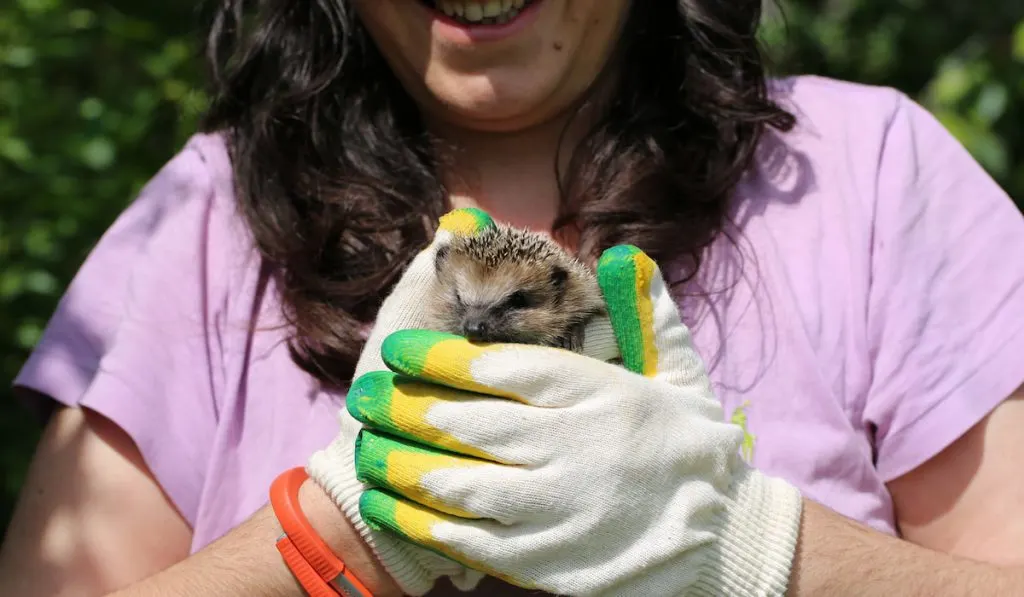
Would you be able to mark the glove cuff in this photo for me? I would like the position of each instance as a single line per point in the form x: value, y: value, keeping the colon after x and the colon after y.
x: 333, y: 469
x: 757, y: 539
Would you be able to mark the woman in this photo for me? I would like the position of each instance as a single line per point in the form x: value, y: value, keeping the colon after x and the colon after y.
x: 852, y: 279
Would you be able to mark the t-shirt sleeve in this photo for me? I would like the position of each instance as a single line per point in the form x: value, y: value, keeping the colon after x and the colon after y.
x: 945, y: 316
x: 134, y: 336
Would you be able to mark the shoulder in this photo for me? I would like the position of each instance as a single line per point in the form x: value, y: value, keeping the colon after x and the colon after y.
x: 870, y: 148
x: 177, y: 245
x: 844, y: 129
x: 807, y: 91
x: 825, y: 107
x: 190, y: 197
x: 187, y: 217
x: 140, y: 334
x: 198, y: 177
x: 897, y: 214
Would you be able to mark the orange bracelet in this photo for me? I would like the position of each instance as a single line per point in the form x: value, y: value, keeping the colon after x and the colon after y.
x: 320, y: 572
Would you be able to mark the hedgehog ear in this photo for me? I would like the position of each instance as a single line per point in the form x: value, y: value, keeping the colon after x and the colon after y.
x: 441, y: 257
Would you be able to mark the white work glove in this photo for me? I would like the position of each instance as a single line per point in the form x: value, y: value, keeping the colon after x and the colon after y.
x: 556, y: 471
x: 414, y: 569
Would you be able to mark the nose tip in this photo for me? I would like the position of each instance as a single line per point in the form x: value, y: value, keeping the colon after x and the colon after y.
x: 475, y: 329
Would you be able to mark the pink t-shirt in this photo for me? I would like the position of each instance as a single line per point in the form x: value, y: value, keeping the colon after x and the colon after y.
x: 869, y: 313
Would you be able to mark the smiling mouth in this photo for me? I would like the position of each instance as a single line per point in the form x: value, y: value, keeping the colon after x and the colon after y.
x: 491, y: 12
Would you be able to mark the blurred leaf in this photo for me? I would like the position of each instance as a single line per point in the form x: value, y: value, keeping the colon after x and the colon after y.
x: 40, y: 282
x: 28, y: 334
x: 991, y: 103
x: 1018, y: 42
x: 19, y: 56
x: 37, y: 7
x: 91, y: 108
x: 11, y: 282
x: 953, y: 82
x: 98, y: 153
x: 81, y: 18
x: 15, y: 150
x: 38, y: 241
x: 987, y: 148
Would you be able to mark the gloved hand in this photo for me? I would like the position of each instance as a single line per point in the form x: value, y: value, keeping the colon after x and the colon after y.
x: 413, y: 568
x: 555, y: 471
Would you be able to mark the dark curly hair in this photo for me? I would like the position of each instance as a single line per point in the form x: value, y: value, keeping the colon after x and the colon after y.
x: 337, y: 177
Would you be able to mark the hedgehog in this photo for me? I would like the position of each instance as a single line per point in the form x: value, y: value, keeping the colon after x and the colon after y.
x: 512, y: 285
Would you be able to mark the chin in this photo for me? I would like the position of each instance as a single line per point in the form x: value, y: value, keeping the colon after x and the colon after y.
x: 494, y: 106
x: 500, y: 76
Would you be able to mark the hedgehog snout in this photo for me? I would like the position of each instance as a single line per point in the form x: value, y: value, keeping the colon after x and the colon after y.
x: 476, y: 325
x: 475, y: 329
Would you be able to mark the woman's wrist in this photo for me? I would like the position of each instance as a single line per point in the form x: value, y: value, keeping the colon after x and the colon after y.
x: 343, y: 539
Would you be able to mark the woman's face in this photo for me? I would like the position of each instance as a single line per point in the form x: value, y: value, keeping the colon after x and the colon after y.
x: 495, y: 65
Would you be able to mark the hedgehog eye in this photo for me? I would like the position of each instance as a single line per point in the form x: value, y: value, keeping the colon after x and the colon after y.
x: 517, y: 300
x: 559, y: 276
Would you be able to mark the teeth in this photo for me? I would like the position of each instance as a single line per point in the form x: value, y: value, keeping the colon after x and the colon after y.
x: 492, y: 9
x: 474, y: 13
x: 452, y: 9
x: 488, y: 11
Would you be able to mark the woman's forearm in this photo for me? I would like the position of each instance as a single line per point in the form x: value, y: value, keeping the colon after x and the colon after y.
x: 838, y: 557
x: 246, y: 561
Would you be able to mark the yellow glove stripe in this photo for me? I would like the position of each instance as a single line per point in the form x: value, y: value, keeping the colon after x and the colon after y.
x: 409, y: 414
x: 399, y: 405
x: 645, y: 272
x: 407, y: 469
x: 440, y: 358
x: 383, y: 512
x: 399, y: 466
x: 465, y: 222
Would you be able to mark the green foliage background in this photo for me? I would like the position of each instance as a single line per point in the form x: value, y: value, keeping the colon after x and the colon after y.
x: 96, y: 96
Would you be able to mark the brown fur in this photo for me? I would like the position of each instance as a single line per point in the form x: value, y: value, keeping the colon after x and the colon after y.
x: 479, y: 278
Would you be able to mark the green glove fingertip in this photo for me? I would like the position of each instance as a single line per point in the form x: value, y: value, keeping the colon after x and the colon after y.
x: 373, y: 452
x: 385, y: 512
x: 624, y: 273
x: 369, y: 398
x: 406, y: 351
x: 372, y: 459
x: 377, y: 509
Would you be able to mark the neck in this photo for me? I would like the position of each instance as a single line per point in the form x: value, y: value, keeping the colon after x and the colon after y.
x: 509, y: 175
x: 512, y: 175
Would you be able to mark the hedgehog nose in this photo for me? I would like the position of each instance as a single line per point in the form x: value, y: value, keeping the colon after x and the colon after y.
x: 475, y: 329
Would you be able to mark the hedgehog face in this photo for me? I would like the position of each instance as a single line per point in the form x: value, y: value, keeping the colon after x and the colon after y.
x: 517, y: 299
x: 506, y: 303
